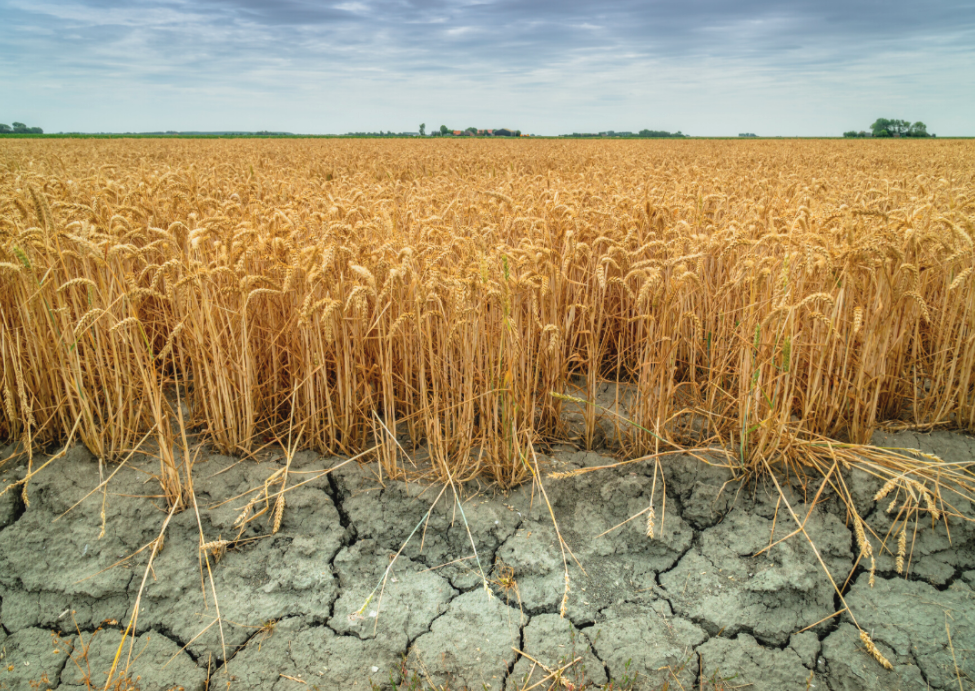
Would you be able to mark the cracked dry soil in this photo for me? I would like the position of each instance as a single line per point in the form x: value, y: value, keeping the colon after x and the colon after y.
x: 692, y: 606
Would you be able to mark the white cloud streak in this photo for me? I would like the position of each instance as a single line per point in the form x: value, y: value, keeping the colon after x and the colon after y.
x: 706, y: 67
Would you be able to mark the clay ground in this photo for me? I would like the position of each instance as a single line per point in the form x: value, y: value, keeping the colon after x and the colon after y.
x: 691, y: 607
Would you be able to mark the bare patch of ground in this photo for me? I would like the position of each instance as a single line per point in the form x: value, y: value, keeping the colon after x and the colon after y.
x: 692, y: 606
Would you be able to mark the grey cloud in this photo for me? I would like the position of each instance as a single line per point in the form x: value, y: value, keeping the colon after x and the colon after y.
x: 507, y: 47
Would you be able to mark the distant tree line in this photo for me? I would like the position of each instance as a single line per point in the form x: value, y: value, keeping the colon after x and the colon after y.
x: 445, y: 131
x: 380, y: 133
x: 655, y: 134
x: 883, y: 127
x: 19, y: 128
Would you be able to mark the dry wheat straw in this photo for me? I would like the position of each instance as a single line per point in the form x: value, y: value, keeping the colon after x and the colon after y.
x: 325, y: 284
x: 872, y: 649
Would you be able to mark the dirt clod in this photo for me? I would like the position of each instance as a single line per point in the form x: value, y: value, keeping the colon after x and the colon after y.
x: 852, y: 669
x: 33, y: 657
x: 742, y: 662
x: 314, y: 655
x: 554, y: 642
x: 913, y: 620
x: 404, y: 607
x: 470, y: 646
x: 156, y: 663
x: 724, y: 587
x: 647, y: 646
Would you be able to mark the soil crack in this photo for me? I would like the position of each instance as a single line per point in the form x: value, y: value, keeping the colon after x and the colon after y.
x: 18, y: 507
x: 184, y: 645
x: 351, y: 534
x: 595, y: 654
x: 893, y: 575
x: 510, y: 668
x: 60, y: 672
x: 446, y: 608
x: 920, y: 669
x: 695, y: 541
x: 833, y: 623
x: 236, y: 650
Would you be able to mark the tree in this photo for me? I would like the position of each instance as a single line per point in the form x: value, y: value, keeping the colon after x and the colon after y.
x: 5, y: 129
x: 883, y: 127
x: 918, y: 129
x: 444, y: 130
x: 850, y: 134
x: 423, y: 129
x: 20, y: 128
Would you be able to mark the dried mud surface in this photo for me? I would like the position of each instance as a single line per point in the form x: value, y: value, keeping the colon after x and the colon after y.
x: 693, y: 607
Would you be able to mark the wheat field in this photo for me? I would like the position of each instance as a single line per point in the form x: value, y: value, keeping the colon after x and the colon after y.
x: 337, y: 293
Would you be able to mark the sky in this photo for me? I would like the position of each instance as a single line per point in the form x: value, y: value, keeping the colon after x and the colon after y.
x: 705, y: 67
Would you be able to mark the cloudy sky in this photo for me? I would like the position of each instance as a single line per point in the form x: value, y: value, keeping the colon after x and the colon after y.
x: 706, y: 67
